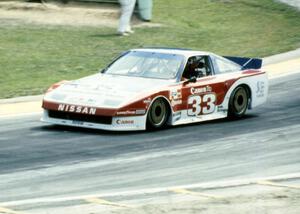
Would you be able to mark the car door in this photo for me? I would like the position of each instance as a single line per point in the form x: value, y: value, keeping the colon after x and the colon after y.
x: 203, y: 96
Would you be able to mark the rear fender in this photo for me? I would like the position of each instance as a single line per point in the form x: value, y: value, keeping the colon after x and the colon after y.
x: 258, y: 85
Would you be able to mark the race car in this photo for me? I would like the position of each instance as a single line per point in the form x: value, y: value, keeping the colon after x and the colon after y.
x: 157, y: 87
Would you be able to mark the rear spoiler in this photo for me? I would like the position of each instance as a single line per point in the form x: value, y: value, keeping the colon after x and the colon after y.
x: 246, y: 63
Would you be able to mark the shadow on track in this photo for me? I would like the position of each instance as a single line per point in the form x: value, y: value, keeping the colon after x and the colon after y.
x: 178, y: 128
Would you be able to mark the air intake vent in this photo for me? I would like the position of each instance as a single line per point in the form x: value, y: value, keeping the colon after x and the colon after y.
x: 80, y: 117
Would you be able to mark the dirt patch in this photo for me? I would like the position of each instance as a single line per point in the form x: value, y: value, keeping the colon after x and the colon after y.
x: 277, y: 202
x: 294, y: 3
x: 66, y: 15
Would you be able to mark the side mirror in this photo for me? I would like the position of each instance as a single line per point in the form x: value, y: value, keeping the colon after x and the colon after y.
x: 193, y: 79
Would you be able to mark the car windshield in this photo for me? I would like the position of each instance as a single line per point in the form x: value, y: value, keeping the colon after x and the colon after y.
x: 147, y: 64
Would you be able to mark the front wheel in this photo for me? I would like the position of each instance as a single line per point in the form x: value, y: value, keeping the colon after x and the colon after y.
x: 158, y: 114
x: 238, y: 102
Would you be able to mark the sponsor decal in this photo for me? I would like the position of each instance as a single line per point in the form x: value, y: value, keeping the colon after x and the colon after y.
x: 260, y: 89
x: 222, y: 109
x: 77, y: 109
x: 176, y: 116
x: 125, y: 112
x: 176, y: 97
x: 175, y: 94
x: 132, y: 112
x: 75, y: 122
x: 140, y: 111
x: 176, y: 102
x: 91, y: 101
x: 124, y: 122
x: 147, y: 101
x: 201, y: 90
x: 81, y: 100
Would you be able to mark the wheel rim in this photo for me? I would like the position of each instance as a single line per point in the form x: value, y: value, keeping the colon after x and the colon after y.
x: 240, y: 101
x: 158, y: 113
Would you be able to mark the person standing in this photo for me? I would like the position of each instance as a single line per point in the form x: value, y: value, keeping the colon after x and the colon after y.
x: 127, y: 7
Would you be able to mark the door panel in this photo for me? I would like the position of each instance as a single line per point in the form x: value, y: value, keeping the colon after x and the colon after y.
x: 202, y: 97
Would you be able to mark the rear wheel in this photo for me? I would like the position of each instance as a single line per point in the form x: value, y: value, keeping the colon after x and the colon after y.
x: 158, y: 114
x: 238, y: 102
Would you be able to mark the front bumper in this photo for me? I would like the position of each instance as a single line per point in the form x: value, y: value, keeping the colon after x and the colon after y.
x: 128, y: 123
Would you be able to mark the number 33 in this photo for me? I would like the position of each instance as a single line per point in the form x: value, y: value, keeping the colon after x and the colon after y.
x: 196, y: 101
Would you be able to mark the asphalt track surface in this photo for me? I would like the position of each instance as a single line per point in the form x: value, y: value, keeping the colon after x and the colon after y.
x: 45, y: 161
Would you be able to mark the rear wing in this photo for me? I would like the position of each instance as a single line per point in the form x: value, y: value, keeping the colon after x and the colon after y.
x: 246, y: 63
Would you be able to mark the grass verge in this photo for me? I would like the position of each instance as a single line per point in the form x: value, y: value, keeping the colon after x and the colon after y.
x: 32, y: 57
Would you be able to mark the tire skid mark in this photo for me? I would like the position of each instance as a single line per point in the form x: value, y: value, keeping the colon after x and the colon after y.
x: 212, y: 185
x: 199, y: 194
x: 4, y: 210
x: 105, y: 202
x: 274, y: 184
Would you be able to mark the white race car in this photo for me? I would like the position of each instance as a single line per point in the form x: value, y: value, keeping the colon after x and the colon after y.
x: 155, y: 87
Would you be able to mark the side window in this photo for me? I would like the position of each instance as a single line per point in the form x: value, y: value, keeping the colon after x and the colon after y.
x: 197, y: 66
x: 224, y: 66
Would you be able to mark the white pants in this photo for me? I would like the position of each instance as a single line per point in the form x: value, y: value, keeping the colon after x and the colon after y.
x: 127, y: 7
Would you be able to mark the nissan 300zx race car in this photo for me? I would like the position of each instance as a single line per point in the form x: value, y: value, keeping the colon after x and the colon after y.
x: 155, y: 87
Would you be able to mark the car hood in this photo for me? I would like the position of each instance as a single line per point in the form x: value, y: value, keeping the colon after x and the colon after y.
x: 105, y: 91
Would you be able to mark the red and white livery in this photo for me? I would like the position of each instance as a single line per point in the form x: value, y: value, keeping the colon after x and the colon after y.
x: 155, y: 87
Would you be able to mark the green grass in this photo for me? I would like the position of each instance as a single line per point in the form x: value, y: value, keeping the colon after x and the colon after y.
x: 33, y: 57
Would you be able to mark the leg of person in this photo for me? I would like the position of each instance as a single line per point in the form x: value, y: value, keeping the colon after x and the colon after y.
x: 130, y: 9
x: 127, y: 7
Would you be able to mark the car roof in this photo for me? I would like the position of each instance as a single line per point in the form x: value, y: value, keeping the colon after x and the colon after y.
x: 185, y: 52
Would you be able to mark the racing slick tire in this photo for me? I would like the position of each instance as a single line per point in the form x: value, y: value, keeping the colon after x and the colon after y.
x: 238, y: 102
x: 158, y: 114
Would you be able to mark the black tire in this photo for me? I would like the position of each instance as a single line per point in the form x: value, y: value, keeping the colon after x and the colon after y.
x: 238, y: 103
x: 158, y: 114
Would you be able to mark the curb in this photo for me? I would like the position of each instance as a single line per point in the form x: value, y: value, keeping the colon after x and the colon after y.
x: 292, y: 3
x: 281, y: 57
x: 266, y: 61
x: 21, y: 99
